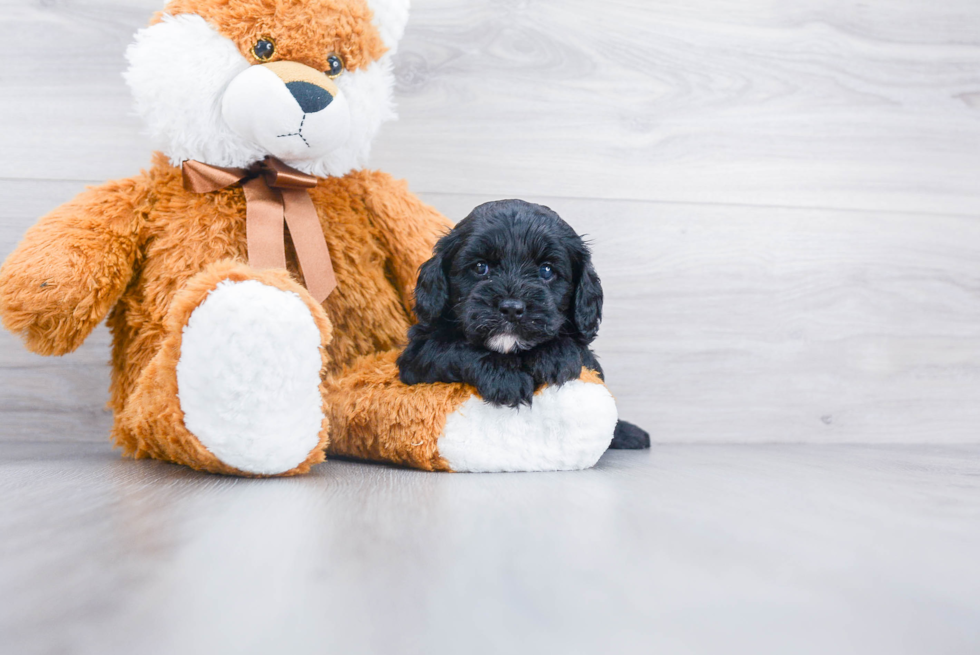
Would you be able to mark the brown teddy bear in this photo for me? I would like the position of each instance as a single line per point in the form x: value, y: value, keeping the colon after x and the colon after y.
x: 257, y: 280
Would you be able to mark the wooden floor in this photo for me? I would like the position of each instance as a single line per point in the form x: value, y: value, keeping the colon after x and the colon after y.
x: 689, y: 549
x: 784, y: 204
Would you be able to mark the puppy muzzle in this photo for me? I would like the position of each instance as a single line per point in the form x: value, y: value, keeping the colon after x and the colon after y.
x: 507, y: 322
x: 292, y: 111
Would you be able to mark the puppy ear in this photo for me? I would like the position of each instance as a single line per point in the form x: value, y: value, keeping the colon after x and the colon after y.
x: 587, y: 305
x: 431, y: 290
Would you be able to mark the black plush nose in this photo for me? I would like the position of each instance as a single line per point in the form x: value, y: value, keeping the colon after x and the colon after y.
x: 310, y: 97
x: 512, y: 309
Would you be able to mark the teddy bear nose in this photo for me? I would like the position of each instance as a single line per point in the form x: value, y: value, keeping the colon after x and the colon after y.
x: 311, y: 98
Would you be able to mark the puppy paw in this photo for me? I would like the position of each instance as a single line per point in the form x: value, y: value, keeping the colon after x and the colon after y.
x: 555, y: 363
x: 555, y: 371
x: 508, y: 388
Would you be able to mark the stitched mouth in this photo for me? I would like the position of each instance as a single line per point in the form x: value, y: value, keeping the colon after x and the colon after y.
x: 298, y: 132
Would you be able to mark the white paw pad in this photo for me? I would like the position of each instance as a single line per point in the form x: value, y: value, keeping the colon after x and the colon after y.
x: 249, y: 376
x: 566, y: 428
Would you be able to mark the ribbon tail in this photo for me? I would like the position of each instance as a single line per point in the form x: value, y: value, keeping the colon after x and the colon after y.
x: 203, y: 178
x: 264, y: 219
x: 310, y: 244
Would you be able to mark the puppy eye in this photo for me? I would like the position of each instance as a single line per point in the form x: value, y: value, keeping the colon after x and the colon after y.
x: 335, y: 66
x: 481, y: 268
x: 546, y: 272
x: 264, y: 48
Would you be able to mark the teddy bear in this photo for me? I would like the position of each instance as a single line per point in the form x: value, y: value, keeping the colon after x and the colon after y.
x: 257, y: 279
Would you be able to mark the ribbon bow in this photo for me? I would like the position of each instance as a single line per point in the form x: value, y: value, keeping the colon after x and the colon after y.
x: 274, y: 193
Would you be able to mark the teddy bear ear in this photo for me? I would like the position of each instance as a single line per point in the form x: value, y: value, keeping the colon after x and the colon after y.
x: 390, y: 17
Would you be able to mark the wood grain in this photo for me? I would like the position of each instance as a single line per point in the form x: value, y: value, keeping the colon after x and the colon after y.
x: 683, y: 549
x: 784, y: 325
x: 793, y: 104
x: 783, y: 204
x: 65, y: 111
x: 761, y: 308
x: 808, y: 104
x: 722, y: 324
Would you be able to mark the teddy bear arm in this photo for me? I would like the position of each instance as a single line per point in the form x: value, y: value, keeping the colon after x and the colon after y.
x: 408, y: 230
x: 71, y: 267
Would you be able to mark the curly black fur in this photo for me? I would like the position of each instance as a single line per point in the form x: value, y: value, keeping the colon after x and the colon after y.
x: 509, y: 302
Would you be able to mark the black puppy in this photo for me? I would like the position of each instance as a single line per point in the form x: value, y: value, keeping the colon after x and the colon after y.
x: 509, y: 302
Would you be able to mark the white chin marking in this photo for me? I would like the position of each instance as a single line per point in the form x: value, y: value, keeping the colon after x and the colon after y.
x: 503, y: 343
x: 249, y: 375
x: 565, y: 428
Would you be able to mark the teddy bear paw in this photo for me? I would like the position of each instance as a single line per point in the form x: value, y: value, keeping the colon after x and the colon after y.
x: 567, y: 427
x: 249, y: 376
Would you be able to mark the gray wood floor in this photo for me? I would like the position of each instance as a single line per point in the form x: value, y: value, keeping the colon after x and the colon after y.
x: 683, y: 549
x: 784, y: 205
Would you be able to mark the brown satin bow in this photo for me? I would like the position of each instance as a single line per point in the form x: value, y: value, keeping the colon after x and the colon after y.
x: 274, y: 193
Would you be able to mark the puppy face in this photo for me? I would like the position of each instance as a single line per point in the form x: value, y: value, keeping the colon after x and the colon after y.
x: 511, y: 276
x: 227, y: 82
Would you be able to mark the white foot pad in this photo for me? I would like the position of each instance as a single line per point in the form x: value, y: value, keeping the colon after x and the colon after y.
x: 249, y: 376
x: 566, y: 428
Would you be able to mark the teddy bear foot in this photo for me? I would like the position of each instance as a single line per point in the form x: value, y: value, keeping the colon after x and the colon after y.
x: 566, y: 428
x: 448, y: 427
x: 235, y: 386
x: 248, y: 377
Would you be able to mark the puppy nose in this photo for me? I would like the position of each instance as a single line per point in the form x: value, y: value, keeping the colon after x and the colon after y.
x: 512, y: 309
x: 310, y: 97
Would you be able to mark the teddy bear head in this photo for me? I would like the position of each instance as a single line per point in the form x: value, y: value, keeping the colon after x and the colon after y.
x: 228, y: 82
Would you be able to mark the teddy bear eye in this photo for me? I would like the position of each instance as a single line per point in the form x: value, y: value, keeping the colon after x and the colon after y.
x: 335, y: 65
x: 264, y: 48
x: 481, y: 268
x: 546, y: 271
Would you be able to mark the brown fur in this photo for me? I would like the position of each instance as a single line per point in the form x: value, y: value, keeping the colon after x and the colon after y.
x: 146, y: 248
x: 147, y: 252
x: 152, y: 424
x: 377, y: 417
x: 308, y: 36
x: 588, y: 375
x: 72, y: 266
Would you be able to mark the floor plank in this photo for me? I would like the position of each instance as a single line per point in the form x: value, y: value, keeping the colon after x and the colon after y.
x: 693, y: 549
x: 25, y: 202
x: 809, y: 104
x: 773, y: 325
x: 783, y: 206
x: 722, y: 324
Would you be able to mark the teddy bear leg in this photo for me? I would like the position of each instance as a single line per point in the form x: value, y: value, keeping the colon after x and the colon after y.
x: 373, y: 416
x: 236, y: 385
x: 448, y: 427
